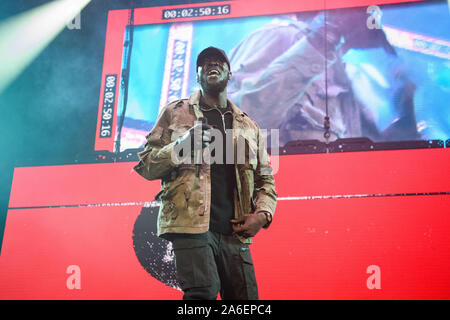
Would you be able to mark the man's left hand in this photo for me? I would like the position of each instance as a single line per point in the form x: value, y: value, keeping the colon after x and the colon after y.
x: 249, y: 224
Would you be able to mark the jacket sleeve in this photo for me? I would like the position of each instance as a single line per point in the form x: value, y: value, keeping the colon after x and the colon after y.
x: 156, y: 159
x: 266, y: 196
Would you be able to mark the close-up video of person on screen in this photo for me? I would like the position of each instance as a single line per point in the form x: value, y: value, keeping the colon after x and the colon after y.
x: 373, y: 75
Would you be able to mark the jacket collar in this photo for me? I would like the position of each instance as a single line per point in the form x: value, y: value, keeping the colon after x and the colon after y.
x: 194, y: 101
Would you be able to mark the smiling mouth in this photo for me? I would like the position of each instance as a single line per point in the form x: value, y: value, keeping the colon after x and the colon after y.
x: 213, y: 73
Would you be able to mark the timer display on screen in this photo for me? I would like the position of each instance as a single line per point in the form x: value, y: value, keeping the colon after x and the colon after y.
x: 196, y: 12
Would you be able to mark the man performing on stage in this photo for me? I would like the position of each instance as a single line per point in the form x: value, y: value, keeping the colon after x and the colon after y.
x: 210, y: 208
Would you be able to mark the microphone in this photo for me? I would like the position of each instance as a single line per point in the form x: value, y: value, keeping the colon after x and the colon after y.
x: 198, y: 148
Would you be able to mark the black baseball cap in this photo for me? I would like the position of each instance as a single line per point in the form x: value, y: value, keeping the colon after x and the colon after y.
x: 209, y: 52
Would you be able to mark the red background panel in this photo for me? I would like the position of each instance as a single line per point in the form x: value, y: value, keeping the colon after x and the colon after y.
x: 320, y: 249
x: 379, y: 172
x: 245, y: 8
x: 112, y: 64
x: 80, y: 184
x: 315, y: 249
x: 39, y: 245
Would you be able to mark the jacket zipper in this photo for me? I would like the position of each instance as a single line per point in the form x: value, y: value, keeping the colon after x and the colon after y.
x: 223, y: 118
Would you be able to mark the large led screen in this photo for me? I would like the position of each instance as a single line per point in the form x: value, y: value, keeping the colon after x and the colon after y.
x: 386, y: 78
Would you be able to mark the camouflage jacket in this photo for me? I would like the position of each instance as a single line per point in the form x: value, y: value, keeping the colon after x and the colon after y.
x: 186, y: 188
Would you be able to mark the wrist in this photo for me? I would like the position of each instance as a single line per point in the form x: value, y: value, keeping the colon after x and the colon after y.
x: 266, y: 218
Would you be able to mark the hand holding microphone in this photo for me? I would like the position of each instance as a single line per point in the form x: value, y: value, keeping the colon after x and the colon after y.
x: 199, y: 137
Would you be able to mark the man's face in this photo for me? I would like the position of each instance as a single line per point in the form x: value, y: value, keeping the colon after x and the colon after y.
x: 214, y: 74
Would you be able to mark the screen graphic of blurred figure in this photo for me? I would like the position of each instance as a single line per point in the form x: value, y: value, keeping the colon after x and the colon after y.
x: 279, y: 79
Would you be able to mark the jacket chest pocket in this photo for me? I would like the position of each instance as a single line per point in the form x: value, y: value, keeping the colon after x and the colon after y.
x: 176, y: 130
x: 246, y: 151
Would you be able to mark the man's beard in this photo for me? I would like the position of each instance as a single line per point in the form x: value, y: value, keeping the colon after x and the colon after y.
x: 213, y: 88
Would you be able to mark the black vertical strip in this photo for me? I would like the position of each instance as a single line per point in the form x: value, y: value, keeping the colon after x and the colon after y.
x: 327, y: 118
x: 125, y: 78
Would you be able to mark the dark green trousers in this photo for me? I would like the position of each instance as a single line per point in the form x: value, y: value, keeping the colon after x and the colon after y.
x: 214, y: 263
